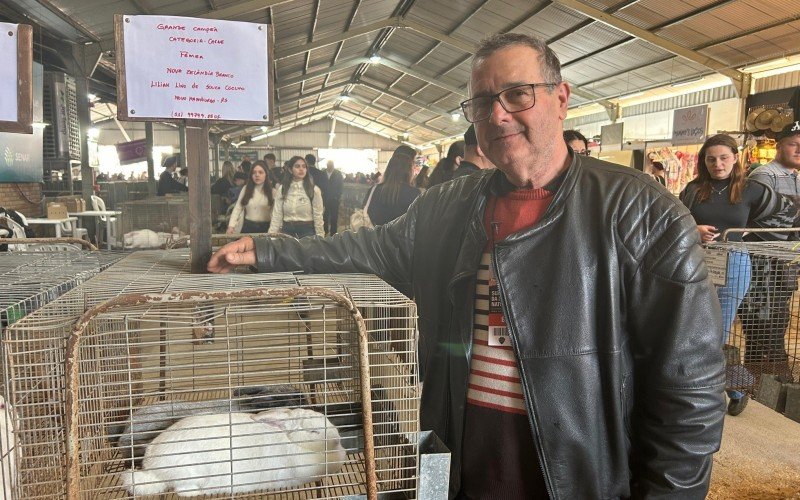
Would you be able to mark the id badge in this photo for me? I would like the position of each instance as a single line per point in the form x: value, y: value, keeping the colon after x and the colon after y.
x: 498, y: 331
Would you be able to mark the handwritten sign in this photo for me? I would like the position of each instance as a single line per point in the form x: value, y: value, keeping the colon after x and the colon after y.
x: 689, y: 125
x: 188, y: 68
x: 8, y: 72
x: 717, y: 264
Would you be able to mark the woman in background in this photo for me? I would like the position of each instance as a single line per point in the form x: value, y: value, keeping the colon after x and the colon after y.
x: 393, y: 196
x: 251, y: 213
x: 421, y: 180
x: 225, y: 182
x: 298, y: 205
x: 722, y: 197
x: 447, y: 165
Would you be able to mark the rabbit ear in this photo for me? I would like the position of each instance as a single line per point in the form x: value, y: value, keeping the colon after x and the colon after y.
x: 270, y: 421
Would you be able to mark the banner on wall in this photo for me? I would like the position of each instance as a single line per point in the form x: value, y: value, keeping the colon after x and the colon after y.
x: 21, y: 155
x: 689, y: 125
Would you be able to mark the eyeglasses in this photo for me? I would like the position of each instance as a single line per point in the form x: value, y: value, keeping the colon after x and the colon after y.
x: 585, y: 152
x: 512, y: 100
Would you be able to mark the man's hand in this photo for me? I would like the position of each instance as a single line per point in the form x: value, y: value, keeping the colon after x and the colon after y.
x: 238, y: 253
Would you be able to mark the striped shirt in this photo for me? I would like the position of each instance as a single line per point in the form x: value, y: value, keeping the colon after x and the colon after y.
x: 783, y: 181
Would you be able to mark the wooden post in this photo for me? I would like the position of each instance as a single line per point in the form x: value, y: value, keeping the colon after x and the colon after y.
x: 151, y: 168
x: 199, y: 199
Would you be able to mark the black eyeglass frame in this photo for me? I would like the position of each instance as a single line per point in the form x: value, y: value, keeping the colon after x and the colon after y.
x: 496, y: 97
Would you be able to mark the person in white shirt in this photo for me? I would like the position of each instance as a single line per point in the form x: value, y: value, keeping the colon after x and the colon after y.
x: 251, y: 213
x: 298, y: 203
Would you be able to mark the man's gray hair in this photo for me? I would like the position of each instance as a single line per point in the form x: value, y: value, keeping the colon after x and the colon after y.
x: 548, y: 60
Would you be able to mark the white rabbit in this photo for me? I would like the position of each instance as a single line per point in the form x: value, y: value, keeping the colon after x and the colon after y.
x: 8, y: 449
x: 239, y: 453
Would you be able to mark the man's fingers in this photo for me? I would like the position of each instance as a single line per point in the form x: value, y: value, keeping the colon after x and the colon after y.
x: 241, y: 259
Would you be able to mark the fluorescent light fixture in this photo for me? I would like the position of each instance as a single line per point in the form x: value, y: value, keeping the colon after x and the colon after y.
x: 91, y: 97
x: 332, y: 134
x: 264, y: 129
x: 630, y: 96
x: 237, y: 144
x: 273, y: 133
x: 93, y: 133
x: 344, y: 98
x: 259, y: 136
x: 455, y: 116
x: 687, y: 82
x: 375, y: 59
x: 775, y: 63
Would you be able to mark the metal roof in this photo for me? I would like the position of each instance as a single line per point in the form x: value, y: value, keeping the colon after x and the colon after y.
x: 608, y: 48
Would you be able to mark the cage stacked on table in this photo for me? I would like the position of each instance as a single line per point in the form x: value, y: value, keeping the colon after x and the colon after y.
x: 31, y: 280
x: 761, y: 293
x: 187, y: 359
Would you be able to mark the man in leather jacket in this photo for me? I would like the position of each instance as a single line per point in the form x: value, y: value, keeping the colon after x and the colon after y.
x: 570, y: 339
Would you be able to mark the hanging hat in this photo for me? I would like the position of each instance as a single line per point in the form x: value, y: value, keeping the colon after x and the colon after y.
x: 789, y: 130
x: 751, y: 119
x: 785, y: 118
x: 764, y: 119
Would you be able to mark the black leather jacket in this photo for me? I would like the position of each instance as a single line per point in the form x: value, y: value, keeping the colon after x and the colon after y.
x: 615, y: 324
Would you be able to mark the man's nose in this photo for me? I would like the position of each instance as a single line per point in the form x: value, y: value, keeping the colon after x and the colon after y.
x: 499, y: 113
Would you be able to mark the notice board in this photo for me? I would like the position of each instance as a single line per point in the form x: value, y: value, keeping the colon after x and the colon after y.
x: 185, y: 68
x: 16, y: 87
x: 689, y: 125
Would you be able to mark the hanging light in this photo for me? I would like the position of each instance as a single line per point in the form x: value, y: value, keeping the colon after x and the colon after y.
x: 375, y: 59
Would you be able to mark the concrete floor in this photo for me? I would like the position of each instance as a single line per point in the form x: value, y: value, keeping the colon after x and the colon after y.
x: 759, y: 457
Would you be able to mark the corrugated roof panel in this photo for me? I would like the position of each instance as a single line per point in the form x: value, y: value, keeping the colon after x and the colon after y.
x: 358, y: 46
x: 593, y: 37
x: 765, y: 45
x: 323, y: 55
x: 649, y: 13
x: 443, y: 16
x: 373, y: 10
x: 686, y: 35
x: 332, y: 18
x: 551, y: 21
x: 498, y: 16
x: 777, y: 82
x: 405, y: 46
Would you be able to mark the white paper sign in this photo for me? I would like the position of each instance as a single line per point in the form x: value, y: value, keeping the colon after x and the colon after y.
x: 689, y: 125
x: 8, y: 72
x: 189, y: 68
x: 717, y: 264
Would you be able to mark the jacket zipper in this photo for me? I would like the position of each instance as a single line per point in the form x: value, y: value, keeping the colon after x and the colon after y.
x: 528, y: 398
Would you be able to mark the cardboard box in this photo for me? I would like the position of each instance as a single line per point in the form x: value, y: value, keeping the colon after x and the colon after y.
x: 73, y: 203
x: 57, y: 211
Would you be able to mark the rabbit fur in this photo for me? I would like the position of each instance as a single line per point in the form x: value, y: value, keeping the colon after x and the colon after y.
x: 133, y: 435
x: 229, y: 453
x: 8, y: 450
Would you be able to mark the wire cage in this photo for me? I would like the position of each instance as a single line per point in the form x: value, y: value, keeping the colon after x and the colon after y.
x: 225, y: 356
x: 757, y: 284
x: 160, y: 214
x: 31, y: 280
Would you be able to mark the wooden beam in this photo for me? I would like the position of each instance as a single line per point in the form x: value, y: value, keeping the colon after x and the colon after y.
x: 199, y: 200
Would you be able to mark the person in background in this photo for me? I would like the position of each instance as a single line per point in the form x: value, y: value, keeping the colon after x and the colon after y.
x: 474, y: 160
x: 569, y: 335
x: 577, y: 142
x: 251, y: 213
x: 447, y: 165
x: 225, y: 182
x: 183, y: 177
x: 166, y: 182
x: 392, y: 197
x: 765, y: 328
x: 239, y: 180
x: 275, y: 172
x: 721, y: 197
x: 331, y: 188
x: 421, y: 180
x: 245, y: 166
x: 298, y: 205
x: 316, y: 174
x: 659, y: 174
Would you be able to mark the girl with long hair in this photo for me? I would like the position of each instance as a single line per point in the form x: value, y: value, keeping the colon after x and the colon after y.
x: 393, y: 196
x: 722, y: 197
x: 251, y: 212
x: 447, y: 165
x: 298, y: 205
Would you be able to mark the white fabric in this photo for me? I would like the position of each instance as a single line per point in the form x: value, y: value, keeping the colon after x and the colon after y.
x: 256, y: 210
x: 296, y: 207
